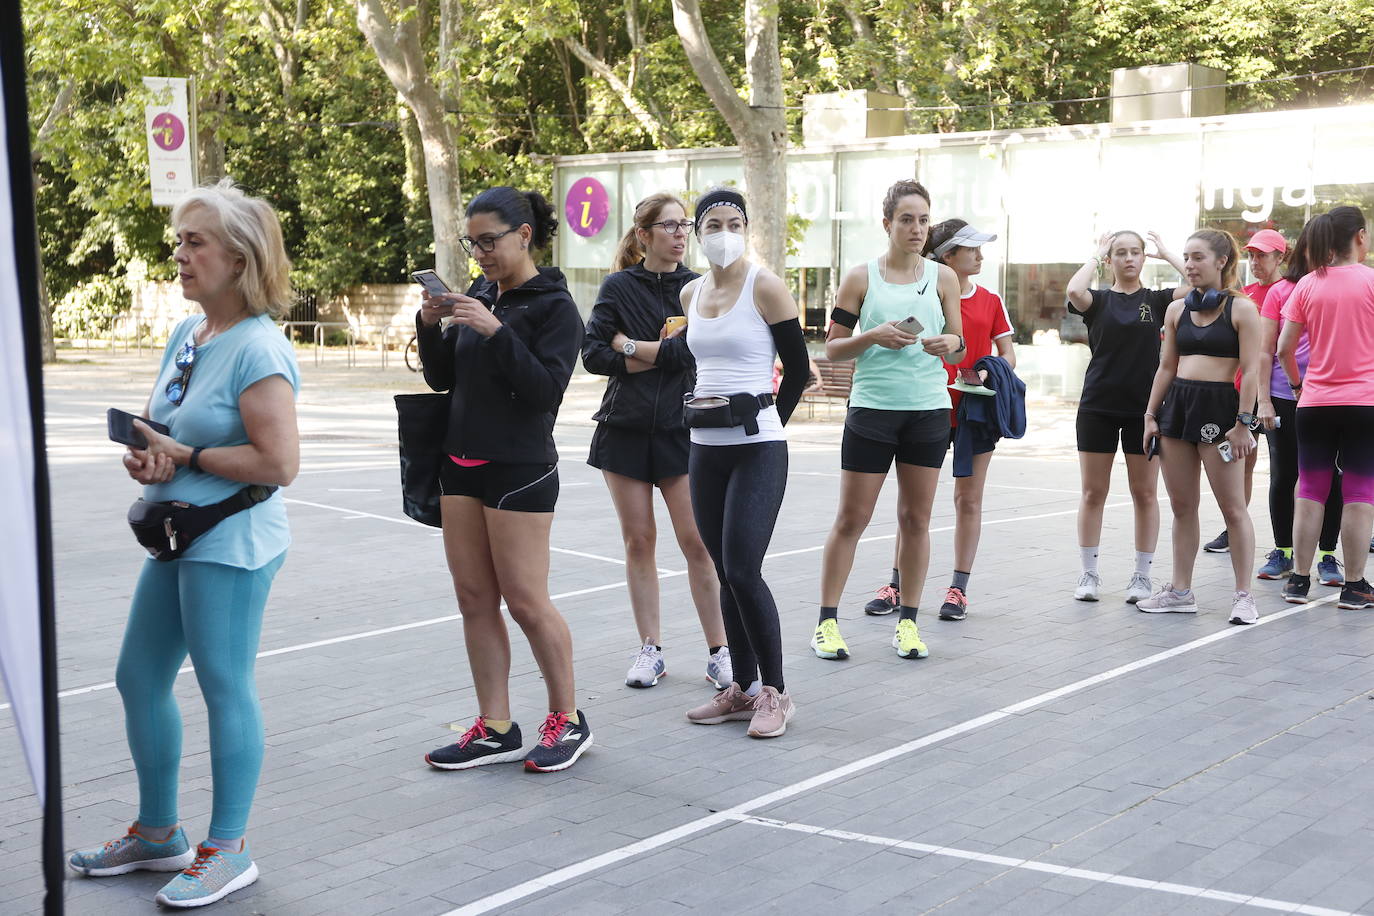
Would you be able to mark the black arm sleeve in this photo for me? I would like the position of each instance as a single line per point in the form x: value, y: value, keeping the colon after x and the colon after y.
x: 673, y: 354
x: 796, y: 367
x: 843, y: 318
x: 597, y: 355
x: 436, y: 353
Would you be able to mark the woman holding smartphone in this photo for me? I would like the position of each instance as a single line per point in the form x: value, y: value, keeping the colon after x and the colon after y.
x: 906, y: 310
x: 634, y: 336
x: 1194, y: 413
x: 506, y: 359
x: 1124, y: 324
x: 739, y: 317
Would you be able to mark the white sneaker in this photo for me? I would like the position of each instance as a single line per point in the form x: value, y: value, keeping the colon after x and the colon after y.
x: 646, y: 668
x: 719, y: 671
x: 1140, y: 588
x: 1169, y: 601
x: 1243, y: 608
x: 1088, y: 584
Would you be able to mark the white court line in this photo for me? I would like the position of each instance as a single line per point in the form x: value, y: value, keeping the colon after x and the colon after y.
x: 1063, y: 871
x: 358, y: 513
x: 578, y: 869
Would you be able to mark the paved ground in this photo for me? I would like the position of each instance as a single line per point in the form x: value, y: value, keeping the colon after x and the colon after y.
x: 1050, y: 756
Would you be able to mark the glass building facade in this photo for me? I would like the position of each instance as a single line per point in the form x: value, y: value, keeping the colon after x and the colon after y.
x: 1047, y: 193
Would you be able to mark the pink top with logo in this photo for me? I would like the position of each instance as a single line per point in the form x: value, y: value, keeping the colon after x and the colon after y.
x: 1271, y: 307
x: 1336, y: 305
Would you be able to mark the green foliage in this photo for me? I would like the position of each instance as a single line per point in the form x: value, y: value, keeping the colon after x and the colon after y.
x: 90, y: 307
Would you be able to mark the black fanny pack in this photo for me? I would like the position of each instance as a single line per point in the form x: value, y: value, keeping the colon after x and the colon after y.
x: 724, y: 411
x: 168, y: 529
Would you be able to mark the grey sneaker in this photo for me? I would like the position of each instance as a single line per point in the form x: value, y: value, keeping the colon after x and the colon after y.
x: 1088, y: 584
x: 719, y: 671
x: 1140, y: 588
x: 133, y: 852
x: 214, y: 874
x: 731, y: 704
x: 647, y: 667
x: 1169, y: 601
x: 1243, y: 608
x: 772, y: 710
x: 1219, y: 544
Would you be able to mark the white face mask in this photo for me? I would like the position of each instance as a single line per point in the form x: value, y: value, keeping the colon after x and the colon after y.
x: 722, y: 248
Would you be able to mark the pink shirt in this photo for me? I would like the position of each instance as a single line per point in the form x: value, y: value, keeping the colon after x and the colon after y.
x: 1272, y: 308
x: 1336, y: 306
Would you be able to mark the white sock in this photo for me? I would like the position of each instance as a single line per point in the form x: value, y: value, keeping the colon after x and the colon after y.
x: 754, y: 689
x: 1143, y: 562
x: 1089, y: 557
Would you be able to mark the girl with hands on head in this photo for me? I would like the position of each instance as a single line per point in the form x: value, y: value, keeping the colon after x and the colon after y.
x: 1196, y: 416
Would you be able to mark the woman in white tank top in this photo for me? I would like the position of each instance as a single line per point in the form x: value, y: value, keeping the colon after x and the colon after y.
x: 739, y: 317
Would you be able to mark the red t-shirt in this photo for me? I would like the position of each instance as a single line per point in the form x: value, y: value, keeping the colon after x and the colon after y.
x: 1256, y: 293
x: 985, y: 320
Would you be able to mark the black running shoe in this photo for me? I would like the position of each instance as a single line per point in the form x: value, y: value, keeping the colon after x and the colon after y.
x: 1219, y: 544
x: 478, y: 747
x: 1295, y: 589
x: 560, y: 743
x: 888, y: 599
x: 1356, y: 596
x: 955, y: 606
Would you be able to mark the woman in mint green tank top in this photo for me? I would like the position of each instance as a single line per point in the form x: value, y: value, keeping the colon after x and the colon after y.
x: 898, y: 318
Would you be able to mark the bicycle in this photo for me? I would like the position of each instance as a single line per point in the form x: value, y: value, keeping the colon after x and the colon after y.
x: 412, y: 355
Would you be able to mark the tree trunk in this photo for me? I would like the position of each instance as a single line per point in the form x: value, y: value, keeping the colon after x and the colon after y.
x: 401, y: 56
x: 759, y: 127
x: 654, y: 127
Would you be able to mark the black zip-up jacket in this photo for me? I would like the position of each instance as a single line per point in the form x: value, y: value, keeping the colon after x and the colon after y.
x: 636, y: 302
x: 507, y: 387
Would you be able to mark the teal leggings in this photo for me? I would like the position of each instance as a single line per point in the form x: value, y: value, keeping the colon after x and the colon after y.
x: 215, y: 613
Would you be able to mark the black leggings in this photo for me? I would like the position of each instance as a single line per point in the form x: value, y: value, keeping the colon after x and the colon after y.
x: 1283, y: 481
x: 736, y: 493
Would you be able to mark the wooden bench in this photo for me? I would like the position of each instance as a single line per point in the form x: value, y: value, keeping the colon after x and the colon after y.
x: 837, y: 378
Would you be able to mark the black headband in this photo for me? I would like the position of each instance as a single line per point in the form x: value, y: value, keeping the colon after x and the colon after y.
x: 720, y: 197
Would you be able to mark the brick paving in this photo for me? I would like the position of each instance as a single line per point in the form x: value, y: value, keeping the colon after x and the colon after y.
x: 1235, y: 769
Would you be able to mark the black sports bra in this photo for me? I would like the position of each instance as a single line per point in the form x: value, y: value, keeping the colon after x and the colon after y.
x: 1216, y: 339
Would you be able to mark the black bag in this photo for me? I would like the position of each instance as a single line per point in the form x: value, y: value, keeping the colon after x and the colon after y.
x: 166, y: 530
x: 724, y: 412
x: 422, y: 425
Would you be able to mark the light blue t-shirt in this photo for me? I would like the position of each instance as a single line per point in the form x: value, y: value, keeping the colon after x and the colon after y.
x: 208, y: 417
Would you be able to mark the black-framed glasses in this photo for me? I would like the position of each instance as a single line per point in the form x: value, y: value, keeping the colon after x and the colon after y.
x: 185, y: 361
x: 671, y: 226
x: 486, y: 242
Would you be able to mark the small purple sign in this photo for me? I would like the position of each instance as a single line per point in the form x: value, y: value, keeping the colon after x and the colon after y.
x: 168, y: 131
x: 587, y: 207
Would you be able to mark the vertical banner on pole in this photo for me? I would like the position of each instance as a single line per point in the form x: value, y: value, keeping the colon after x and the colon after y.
x: 167, y: 123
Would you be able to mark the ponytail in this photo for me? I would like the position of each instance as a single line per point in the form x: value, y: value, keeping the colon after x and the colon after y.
x: 519, y: 208
x: 630, y: 251
x: 1331, y: 234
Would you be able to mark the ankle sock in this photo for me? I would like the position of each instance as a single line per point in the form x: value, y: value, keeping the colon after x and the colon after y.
x: 754, y: 689
x: 907, y: 613
x: 896, y: 581
x: 156, y: 834
x: 960, y: 581
x: 1323, y: 554
x: 1286, y: 551
x: 829, y: 613
x: 715, y: 649
x: 574, y: 718
x: 234, y: 845
x: 1143, y: 562
x: 500, y: 726
x: 1089, y: 558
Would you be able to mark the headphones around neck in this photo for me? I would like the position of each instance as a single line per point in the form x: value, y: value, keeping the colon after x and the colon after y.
x: 1202, y: 301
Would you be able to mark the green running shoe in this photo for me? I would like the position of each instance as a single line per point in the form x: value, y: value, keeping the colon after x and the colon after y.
x: 907, y: 640
x: 827, y: 642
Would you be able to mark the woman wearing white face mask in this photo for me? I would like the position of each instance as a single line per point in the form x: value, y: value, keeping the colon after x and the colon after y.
x: 739, y: 316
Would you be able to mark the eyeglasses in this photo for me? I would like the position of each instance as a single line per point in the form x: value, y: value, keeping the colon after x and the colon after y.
x: 176, y: 388
x: 671, y: 226
x: 486, y: 242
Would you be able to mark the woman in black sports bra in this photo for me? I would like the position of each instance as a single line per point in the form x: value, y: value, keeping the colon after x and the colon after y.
x: 1193, y: 418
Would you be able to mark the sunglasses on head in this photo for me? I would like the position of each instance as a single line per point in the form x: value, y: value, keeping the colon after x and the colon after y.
x: 185, y: 361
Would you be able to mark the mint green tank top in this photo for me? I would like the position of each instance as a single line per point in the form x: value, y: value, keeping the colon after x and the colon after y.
x: 909, y: 378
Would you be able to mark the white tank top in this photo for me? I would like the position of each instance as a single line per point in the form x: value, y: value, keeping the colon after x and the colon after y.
x: 734, y: 353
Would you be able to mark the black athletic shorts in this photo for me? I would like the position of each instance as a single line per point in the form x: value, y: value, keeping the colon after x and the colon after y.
x: 873, y: 438
x: 1100, y: 433
x: 650, y: 457
x: 517, y: 487
x: 1198, y: 411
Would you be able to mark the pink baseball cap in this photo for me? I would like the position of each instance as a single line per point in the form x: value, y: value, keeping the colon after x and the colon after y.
x: 1267, y: 240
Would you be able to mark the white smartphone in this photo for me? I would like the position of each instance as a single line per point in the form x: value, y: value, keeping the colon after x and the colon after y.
x: 1224, y: 447
x: 431, y: 282
x: 910, y: 325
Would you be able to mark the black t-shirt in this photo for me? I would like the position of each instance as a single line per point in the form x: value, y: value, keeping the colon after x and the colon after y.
x: 1123, y: 335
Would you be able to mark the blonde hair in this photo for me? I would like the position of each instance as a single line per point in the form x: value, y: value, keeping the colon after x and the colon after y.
x: 249, y: 229
x: 631, y: 251
x: 1223, y: 245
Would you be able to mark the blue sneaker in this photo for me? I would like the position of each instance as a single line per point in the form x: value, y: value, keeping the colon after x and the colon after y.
x: 134, y: 852
x: 1277, y: 566
x: 216, y: 873
x: 1329, y: 571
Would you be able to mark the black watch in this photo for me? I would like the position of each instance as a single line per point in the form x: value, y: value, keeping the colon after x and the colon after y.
x: 1245, y: 419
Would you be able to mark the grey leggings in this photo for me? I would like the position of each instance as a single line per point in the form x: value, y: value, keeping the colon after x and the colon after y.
x: 736, y: 493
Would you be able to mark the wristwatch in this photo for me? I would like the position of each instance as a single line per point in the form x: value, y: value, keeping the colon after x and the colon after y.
x: 1245, y: 419
x: 628, y: 348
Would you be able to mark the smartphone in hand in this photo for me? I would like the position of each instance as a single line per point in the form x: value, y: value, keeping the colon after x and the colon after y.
x: 969, y: 376
x: 1154, y: 448
x: 431, y: 281
x: 122, y: 430
x: 910, y: 325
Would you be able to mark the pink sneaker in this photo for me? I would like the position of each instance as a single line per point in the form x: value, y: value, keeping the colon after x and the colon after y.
x: 729, y: 705
x: 771, y: 712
